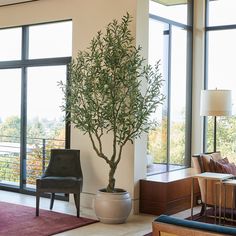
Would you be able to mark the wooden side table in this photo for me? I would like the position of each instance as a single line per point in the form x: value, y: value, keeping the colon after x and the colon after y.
x: 219, y: 177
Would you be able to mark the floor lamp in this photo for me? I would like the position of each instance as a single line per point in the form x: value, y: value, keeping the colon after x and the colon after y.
x: 216, y: 103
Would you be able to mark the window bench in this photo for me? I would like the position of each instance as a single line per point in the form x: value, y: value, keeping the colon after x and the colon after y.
x: 168, y: 193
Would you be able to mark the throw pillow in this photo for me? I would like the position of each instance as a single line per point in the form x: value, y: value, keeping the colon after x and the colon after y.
x: 216, y: 156
x: 217, y: 169
x: 206, y: 161
x: 228, y: 168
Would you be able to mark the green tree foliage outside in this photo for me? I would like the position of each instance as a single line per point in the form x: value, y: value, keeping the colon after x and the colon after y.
x: 10, y: 127
x: 157, y: 143
x: 226, y: 140
x: 177, y: 144
x: 52, y: 132
x: 226, y: 136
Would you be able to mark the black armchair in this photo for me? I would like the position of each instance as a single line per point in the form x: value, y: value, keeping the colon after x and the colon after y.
x: 63, y: 175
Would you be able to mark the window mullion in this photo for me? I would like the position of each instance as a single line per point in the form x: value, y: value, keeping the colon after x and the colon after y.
x: 169, y: 96
x: 205, y: 73
x: 23, y: 140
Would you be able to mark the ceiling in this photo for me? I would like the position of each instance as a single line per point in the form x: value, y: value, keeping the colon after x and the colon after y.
x: 164, y: 2
x: 10, y: 2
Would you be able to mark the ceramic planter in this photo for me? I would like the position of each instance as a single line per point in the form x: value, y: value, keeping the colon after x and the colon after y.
x: 112, y: 208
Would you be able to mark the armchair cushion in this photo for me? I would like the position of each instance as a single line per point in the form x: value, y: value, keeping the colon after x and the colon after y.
x: 54, y: 182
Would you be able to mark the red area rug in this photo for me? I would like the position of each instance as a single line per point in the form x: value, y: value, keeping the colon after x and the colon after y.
x: 18, y: 220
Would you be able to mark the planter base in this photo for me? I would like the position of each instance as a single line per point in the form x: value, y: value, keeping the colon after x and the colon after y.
x: 112, y: 208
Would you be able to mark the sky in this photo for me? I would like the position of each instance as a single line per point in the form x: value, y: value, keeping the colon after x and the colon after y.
x: 157, y: 48
x: 221, y: 67
x: 44, y: 95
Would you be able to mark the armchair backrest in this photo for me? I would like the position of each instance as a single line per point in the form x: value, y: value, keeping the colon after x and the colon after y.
x: 201, y: 163
x: 64, y: 163
x: 197, y: 163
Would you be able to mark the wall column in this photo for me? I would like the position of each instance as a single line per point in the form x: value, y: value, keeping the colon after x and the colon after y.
x: 198, y: 74
x: 140, y: 145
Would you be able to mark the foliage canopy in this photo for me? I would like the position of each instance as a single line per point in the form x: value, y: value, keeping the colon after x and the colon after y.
x: 104, y: 95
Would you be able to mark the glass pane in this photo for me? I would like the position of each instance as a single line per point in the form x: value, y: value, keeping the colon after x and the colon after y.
x: 171, y: 11
x: 210, y: 134
x: 10, y: 86
x: 50, y: 40
x: 221, y: 71
x: 10, y: 44
x: 157, y: 138
x: 222, y: 12
x: 45, y: 124
x: 221, y: 65
x: 178, y: 98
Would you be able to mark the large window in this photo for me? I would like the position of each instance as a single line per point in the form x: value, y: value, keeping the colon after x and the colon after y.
x: 33, y: 59
x: 170, y: 41
x: 10, y: 97
x: 220, y: 64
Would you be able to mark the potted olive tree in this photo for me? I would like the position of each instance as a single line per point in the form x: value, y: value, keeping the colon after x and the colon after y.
x: 103, y: 97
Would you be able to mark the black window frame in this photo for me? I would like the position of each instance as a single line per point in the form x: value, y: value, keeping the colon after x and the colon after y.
x: 206, y: 47
x: 23, y: 63
x: 188, y: 115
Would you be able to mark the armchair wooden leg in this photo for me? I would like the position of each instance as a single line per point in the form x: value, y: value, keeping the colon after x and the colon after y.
x: 52, y: 200
x: 37, y: 203
x: 77, y: 203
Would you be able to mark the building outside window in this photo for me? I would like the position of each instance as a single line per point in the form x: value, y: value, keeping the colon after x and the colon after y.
x: 33, y: 59
x: 170, y: 41
x: 220, y: 70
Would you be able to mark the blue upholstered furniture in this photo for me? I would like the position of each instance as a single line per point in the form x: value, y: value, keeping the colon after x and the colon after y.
x: 176, y: 226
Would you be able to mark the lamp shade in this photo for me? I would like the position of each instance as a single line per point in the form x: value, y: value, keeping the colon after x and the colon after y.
x: 216, y: 103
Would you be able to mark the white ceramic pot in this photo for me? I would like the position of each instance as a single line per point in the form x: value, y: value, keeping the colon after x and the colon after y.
x: 112, y: 208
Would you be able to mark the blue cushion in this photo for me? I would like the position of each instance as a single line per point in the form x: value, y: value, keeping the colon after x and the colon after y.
x: 196, y: 225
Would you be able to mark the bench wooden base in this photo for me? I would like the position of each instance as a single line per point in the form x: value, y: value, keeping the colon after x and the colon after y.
x: 168, y: 193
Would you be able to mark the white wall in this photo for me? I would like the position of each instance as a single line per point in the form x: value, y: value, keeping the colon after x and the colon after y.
x: 140, y: 145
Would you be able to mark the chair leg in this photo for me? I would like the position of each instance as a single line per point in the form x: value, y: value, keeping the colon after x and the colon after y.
x: 52, y: 200
x: 203, y: 210
x: 77, y: 203
x: 37, y: 203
